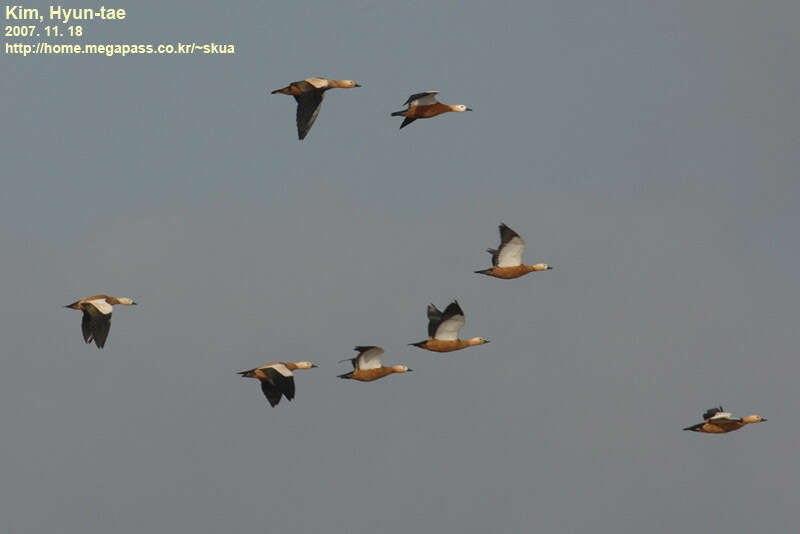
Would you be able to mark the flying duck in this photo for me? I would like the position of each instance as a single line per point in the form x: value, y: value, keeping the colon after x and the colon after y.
x: 367, y: 366
x: 443, y: 330
x: 718, y: 421
x: 309, y: 94
x: 507, y: 259
x: 424, y: 106
x: 96, y: 321
x: 277, y: 379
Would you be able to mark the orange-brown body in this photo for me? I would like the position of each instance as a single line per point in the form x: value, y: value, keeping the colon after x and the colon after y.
x: 78, y: 305
x: 313, y: 84
x: 438, y: 345
x: 426, y: 112
x: 508, y: 273
x: 721, y: 428
x: 261, y: 372
x: 293, y: 89
x: 368, y: 375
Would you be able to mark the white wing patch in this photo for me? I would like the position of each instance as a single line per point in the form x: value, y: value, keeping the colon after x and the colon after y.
x: 370, y: 359
x: 102, y: 306
x: 448, y: 330
x: 282, y: 369
x: 510, y: 254
x: 426, y: 100
x: 722, y: 417
x: 319, y: 83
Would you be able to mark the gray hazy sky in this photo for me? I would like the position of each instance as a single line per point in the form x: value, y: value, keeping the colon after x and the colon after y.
x: 647, y: 149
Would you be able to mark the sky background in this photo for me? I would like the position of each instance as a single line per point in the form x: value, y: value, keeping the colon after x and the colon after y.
x: 647, y: 149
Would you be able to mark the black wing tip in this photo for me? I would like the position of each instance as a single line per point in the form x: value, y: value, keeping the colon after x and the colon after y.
x: 712, y: 412
x: 434, y: 313
x: 483, y: 271
x: 418, y: 344
x: 506, y: 233
x: 454, y: 308
x: 406, y: 122
x: 364, y: 348
x: 694, y: 428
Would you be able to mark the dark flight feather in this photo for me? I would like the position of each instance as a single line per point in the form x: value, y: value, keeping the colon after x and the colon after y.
x: 308, y: 106
x: 452, y: 310
x: 276, y: 385
x: 406, y: 122
x: 434, y: 319
x: 95, y: 325
x: 712, y: 412
x: 506, y: 234
x: 272, y: 393
x: 417, y: 96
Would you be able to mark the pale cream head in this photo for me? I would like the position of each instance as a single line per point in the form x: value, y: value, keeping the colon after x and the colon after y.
x: 126, y: 301
x: 305, y: 365
x: 542, y: 267
x: 477, y: 341
x: 401, y: 369
x: 461, y: 107
x: 347, y: 84
x: 753, y: 419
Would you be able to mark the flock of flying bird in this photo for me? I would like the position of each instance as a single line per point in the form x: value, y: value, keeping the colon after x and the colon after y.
x: 277, y: 378
x: 309, y: 94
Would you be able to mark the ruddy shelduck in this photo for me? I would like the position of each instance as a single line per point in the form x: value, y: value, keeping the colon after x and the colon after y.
x: 424, y: 106
x: 718, y: 421
x: 309, y: 94
x: 367, y: 366
x: 443, y: 330
x: 507, y: 259
x: 277, y: 379
x: 96, y: 321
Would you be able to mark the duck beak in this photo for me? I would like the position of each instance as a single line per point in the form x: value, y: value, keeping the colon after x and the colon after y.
x: 358, y: 85
x: 134, y: 303
x: 409, y: 370
x: 469, y: 109
x: 314, y: 365
x: 763, y: 419
x: 549, y: 267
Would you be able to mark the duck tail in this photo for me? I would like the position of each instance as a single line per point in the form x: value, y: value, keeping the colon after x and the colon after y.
x: 346, y: 375
x: 484, y: 271
x: 419, y: 344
